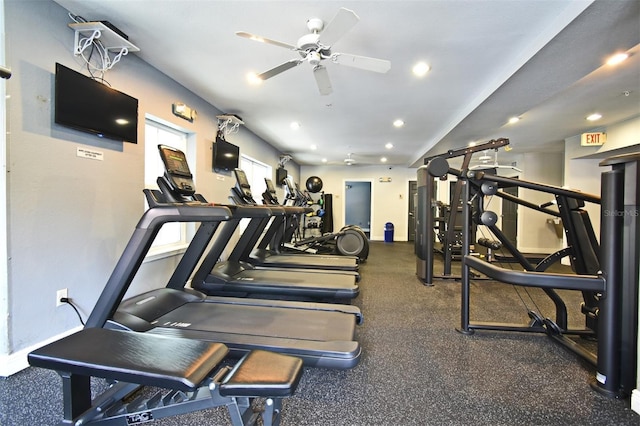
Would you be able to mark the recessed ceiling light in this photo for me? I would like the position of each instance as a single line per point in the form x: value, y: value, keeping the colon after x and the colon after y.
x: 398, y: 123
x: 388, y: 145
x: 294, y: 125
x: 253, y: 78
x: 617, y: 58
x: 514, y: 120
x: 421, y: 69
x: 314, y: 147
x: 594, y: 117
x: 383, y: 160
x: 324, y: 160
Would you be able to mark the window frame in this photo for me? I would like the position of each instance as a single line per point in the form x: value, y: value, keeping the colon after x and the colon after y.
x: 184, y: 231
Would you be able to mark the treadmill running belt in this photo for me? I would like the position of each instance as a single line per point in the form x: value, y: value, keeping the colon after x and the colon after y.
x: 260, y: 321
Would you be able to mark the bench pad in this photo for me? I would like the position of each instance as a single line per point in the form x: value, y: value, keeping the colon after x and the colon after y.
x: 263, y: 374
x: 145, y: 359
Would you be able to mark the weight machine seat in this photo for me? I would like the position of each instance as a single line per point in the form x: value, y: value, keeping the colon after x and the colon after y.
x: 262, y: 373
x: 140, y: 358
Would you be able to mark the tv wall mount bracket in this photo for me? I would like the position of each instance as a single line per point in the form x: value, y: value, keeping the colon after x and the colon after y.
x: 229, y: 123
x: 88, y: 32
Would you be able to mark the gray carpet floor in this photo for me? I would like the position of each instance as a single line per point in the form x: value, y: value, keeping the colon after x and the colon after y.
x: 415, y: 368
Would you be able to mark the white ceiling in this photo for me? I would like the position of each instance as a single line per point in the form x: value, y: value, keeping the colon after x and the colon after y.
x: 541, y: 60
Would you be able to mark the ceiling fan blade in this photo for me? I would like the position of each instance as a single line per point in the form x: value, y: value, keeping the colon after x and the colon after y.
x: 362, y: 62
x: 265, y: 40
x: 279, y: 69
x: 344, y: 20
x: 322, y: 79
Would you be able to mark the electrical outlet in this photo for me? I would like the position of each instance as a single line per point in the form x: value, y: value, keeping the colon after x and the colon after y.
x: 60, y: 294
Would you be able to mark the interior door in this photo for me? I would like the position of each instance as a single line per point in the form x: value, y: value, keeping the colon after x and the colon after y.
x: 358, y: 205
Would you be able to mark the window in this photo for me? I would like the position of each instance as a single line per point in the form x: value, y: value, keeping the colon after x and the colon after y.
x: 256, y: 172
x: 173, y: 237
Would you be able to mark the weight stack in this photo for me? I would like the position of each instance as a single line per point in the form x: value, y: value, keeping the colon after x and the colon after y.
x: 327, y: 219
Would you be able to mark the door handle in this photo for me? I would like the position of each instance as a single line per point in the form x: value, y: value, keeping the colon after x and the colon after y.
x: 5, y: 72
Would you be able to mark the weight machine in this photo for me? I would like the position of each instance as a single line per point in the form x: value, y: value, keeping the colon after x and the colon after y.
x: 437, y: 166
x: 609, y: 273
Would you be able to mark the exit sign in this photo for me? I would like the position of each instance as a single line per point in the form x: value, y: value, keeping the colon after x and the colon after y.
x: 593, y: 139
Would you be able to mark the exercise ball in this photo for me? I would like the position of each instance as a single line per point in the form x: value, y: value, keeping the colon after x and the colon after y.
x: 314, y: 184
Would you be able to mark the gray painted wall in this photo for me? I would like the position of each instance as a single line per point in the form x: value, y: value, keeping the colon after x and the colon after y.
x: 70, y: 217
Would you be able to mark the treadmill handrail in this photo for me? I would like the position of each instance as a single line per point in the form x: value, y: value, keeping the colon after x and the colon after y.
x: 138, y: 247
x: 157, y: 216
x: 538, y: 279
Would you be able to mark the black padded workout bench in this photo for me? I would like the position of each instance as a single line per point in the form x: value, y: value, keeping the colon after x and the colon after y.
x: 187, y: 368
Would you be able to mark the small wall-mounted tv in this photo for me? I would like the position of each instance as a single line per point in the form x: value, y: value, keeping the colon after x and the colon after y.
x: 86, y: 104
x: 225, y: 155
x: 281, y: 175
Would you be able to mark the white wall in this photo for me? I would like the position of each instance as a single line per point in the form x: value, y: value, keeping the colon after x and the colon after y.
x: 71, y: 217
x: 389, y: 200
x: 581, y: 163
x: 4, y: 288
x: 535, y: 234
x: 621, y: 136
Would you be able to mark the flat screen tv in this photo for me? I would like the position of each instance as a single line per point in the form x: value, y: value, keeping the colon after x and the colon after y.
x: 281, y: 175
x: 86, y: 104
x: 225, y: 155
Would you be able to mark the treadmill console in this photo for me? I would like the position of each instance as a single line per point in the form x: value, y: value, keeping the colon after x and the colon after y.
x: 177, y: 173
x: 291, y: 195
x: 243, y: 188
x: 269, y: 196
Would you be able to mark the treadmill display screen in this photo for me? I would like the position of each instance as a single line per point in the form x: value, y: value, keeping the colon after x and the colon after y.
x: 174, y: 161
x: 241, y: 177
x: 270, y: 187
x: 290, y: 187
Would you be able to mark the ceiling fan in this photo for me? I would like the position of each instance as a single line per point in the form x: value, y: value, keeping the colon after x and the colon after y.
x: 315, y: 51
x: 349, y: 161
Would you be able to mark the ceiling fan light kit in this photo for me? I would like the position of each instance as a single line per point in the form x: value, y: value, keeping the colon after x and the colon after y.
x: 314, y: 51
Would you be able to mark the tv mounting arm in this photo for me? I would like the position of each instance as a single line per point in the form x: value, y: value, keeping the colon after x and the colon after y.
x: 229, y: 123
x: 284, y: 159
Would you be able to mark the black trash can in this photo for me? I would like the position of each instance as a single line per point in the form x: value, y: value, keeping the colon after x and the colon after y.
x: 388, y: 232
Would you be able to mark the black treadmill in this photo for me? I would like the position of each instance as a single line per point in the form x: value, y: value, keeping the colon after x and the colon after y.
x: 237, y: 278
x: 242, y: 279
x: 261, y: 255
x: 321, y: 334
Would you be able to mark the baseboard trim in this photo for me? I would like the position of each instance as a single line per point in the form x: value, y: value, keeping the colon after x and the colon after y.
x: 17, y: 361
x: 381, y: 238
x: 635, y: 400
